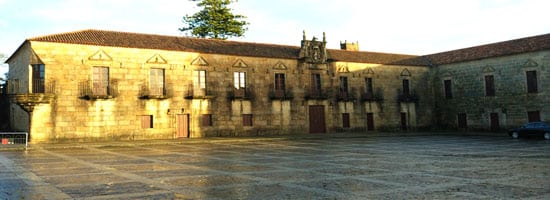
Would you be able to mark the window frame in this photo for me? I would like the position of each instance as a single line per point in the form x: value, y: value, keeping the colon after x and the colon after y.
x: 38, y: 78
x: 448, y: 88
x: 406, y: 86
x: 316, y: 83
x: 369, y: 85
x: 489, y: 85
x: 346, y: 123
x: 344, y: 85
x: 248, y: 119
x: 239, y: 80
x: 279, y: 83
x: 100, y: 80
x: 531, y: 81
x: 206, y: 120
x: 157, y: 81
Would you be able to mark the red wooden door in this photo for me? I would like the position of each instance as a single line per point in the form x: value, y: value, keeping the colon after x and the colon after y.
x: 370, y: 121
x: 317, y: 119
x: 182, y: 126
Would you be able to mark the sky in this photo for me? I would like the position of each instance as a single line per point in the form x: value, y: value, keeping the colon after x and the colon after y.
x: 416, y: 27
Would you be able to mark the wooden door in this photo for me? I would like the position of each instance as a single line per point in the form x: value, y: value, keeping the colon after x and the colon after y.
x: 317, y: 119
x: 404, y: 121
x: 182, y: 126
x: 370, y: 121
x: 462, y: 121
x: 495, y: 126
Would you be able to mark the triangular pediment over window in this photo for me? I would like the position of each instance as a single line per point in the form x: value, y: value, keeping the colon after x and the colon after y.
x: 199, y: 61
x: 157, y: 59
x: 343, y: 69
x: 280, y: 66
x: 446, y: 74
x: 405, y: 72
x: 240, y: 63
x: 488, y: 69
x: 100, y: 56
x: 368, y: 71
x: 530, y: 63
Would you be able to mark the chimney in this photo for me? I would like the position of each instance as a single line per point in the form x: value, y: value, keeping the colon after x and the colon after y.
x: 353, y: 46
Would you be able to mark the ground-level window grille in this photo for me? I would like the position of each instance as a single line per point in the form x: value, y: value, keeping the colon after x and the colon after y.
x: 247, y: 120
x: 206, y: 120
x: 345, y: 120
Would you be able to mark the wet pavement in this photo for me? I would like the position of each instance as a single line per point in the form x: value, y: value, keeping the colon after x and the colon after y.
x: 359, y: 167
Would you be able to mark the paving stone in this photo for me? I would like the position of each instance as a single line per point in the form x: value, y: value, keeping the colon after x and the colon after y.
x: 364, y: 167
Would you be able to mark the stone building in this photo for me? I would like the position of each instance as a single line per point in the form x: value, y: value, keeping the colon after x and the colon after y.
x: 105, y: 85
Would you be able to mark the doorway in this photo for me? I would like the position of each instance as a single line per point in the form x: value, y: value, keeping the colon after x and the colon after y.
x: 182, y: 125
x: 317, y: 119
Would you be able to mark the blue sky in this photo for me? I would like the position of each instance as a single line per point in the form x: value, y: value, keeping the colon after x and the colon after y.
x: 396, y: 26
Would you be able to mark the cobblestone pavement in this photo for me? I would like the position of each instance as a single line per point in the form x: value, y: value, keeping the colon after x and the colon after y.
x: 396, y: 167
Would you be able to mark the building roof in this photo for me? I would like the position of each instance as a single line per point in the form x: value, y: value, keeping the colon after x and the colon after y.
x: 201, y: 45
x: 522, y: 45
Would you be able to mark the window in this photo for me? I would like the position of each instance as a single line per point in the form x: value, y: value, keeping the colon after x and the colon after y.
x: 489, y: 85
x: 240, y: 80
x: 100, y: 81
x: 532, y: 86
x: 406, y: 89
x: 146, y: 121
x: 462, y: 120
x: 206, y: 120
x: 38, y: 74
x: 533, y: 116
x: 156, y: 82
x: 448, y: 89
x: 247, y: 119
x: 199, y: 83
x: 368, y: 86
x: 316, y: 84
x: 345, y: 120
x: 343, y: 85
x: 279, y: 82
x: 239, y: 84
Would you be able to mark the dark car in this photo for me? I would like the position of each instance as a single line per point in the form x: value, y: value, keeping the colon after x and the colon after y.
x: 532, y: 129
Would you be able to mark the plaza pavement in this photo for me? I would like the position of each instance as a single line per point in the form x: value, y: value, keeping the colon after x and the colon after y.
x: 330, y: 166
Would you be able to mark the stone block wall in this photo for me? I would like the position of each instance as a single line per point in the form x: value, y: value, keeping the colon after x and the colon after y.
x: 77, y: 116
x: 511, y: 101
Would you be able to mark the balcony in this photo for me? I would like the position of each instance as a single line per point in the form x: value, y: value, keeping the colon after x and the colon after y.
x: 407, y: 97
x: 91, y: 90
x: 284, y: 94
x: 345, y: 96
x: 42, y: 92
x: 376, y: 96
x: 316, y: 94
x: 153, y: 92
x: 240, y: 93
x: 197, y: 93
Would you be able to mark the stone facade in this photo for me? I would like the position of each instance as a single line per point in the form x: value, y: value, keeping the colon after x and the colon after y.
x: 511, y: 101
x: 113, y: 90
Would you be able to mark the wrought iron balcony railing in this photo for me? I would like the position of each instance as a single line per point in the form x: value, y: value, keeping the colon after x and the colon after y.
x: 316, y: 93
x: 280, y: 94
x: 154, y: 91
x: 98, y: 89
x: 198, y: 93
